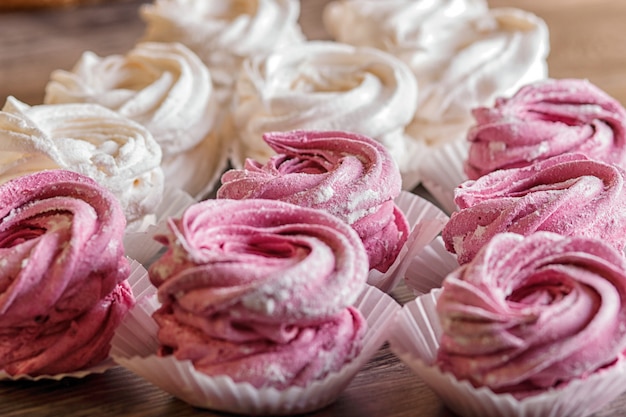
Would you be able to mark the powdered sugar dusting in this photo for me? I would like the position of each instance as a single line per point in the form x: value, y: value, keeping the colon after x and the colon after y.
x: 323, y: 195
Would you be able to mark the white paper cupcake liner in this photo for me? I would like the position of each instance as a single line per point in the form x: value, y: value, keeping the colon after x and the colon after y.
x: 428, y: 268
x: 135, y: 344
x: 175, y: 201
x: 425, y: 222
x: 139, y: 281
x: 415, y: 341
x: 101, y: 368
x: 140, y: 245
x: 442, y: 171
x: 137, y: 274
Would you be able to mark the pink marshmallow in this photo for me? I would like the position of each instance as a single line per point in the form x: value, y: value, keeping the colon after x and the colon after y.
x: 546, y: 119
x: 62, y: 289
x: 346, y: 174
x: 567, y: 194
x: 261, y: 291
x: 531, y: 313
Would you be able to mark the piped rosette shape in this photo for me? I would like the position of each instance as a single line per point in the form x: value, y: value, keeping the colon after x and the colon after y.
x: 224, y: 32
x: 545, y: 119
x: 62, y: 275
x: 399, y: 24
x: 463, y: 55
x: 260, y: 291
x: 528, y: 314
x: 345, y: 174
x: 324, y: 86
x: 567, y: 194
x: 120, y: 154
x: 164, y: 87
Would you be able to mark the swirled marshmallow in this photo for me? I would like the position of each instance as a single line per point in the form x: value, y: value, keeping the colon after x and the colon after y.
x: 388, y: 24
x: 544, y: 119
x: 260, y: 291
x: 166, y: 88
x: 530, y: 314
x: 224, y: 32
x: 119, y: 154
x: 485, y: 57
x: 463, y: 54
x: 566, y: 194
x: 348, y: 175
x: 325, y: 86
x: 62, y: 273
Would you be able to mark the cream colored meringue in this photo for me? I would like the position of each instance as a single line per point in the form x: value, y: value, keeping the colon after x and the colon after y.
x: 116, y: 152
x: 489, y: 56
x: 324, y: 86
x: 166, y: 88
x: 463, y: 55
x: 388, y: 24
x: 224, y: 32
x: 484, y: 57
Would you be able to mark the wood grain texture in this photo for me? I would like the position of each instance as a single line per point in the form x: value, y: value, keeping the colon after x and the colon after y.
x: 588, y: 40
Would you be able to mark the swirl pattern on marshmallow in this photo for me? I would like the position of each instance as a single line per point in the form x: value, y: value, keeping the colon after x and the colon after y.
x: 545, y: 119
x: 224, y: 32
x: 348, y: 175
x: 261, y: 291
x: 324, y: 86
x: 388, y: 24
x: 62, y: 274
x: 166, y: 88
x: 463, y: 54
x: 119, y: 154
x: 567, y: 194
x: 485, y: 57
x: 532, y: 313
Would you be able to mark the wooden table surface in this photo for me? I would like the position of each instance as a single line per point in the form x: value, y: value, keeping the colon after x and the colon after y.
x: 588, y: 40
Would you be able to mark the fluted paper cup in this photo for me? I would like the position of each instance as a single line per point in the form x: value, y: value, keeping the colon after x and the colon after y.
x: 428, y: 268
x: 135, y: 345
x: 442, y: 171
x: 140, y: 245
x: 415, y: 341
x: 425, y: 222
x: 96, y: 369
